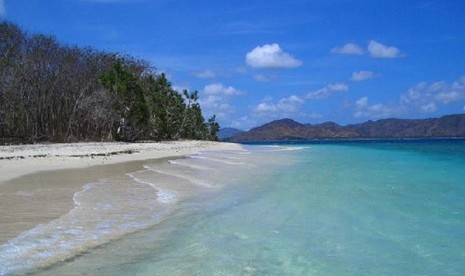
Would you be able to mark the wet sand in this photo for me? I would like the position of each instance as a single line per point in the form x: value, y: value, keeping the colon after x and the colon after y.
x: 36, y: 190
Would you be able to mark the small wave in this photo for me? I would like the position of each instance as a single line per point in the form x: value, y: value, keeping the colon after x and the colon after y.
x: 103, y: 211
x: 292, y: 148
x: 277, y: 148
x: 77, y: 194
x: 163, y: 195
x: 197, y: 167
x: 226, y: 152
x: 200, y: 182
x: 166, y: 197
x: 217, y: 160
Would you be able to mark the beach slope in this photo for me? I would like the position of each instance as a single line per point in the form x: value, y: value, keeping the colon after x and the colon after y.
x: 20, y: 160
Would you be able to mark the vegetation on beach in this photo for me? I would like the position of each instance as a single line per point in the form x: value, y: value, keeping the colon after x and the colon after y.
x: 61, y: 93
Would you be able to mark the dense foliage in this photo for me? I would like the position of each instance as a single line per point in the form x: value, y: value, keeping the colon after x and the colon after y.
x: 52, y: 92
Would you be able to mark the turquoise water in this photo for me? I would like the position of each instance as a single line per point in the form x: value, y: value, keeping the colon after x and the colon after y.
x: 309, y: 209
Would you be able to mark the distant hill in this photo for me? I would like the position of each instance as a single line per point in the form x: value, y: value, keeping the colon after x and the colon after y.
x: 227, y: 132
x: 288, y: 129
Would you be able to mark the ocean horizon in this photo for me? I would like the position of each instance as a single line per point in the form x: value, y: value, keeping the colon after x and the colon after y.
x: 378, y: 207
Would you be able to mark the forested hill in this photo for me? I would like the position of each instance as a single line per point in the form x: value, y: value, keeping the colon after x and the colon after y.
x: 60, y: 93
x: 287, y: 129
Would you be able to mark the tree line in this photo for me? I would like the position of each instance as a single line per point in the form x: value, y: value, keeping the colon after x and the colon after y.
x: 60, y: 93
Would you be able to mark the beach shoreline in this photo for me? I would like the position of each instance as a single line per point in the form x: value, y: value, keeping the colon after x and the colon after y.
x: 38, y: 182
x: 19, y: 160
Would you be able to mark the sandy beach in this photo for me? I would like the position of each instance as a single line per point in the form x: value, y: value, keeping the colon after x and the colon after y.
x: 37, y: 182
x: 20, y: 160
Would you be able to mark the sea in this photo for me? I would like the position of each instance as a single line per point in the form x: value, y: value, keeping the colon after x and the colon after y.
x: 293, y: 208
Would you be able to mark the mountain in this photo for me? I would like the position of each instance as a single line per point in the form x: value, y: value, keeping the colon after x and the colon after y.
x: 284, y: 129
x: 227, y: 132
x: 288, y: 129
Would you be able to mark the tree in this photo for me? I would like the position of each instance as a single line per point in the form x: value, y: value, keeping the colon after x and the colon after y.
x: 130, y: 105
x: 54, y: 92
x: 190, y: 119
x: 166, y: 108
x: 213, y: 128
x: 11, y: 40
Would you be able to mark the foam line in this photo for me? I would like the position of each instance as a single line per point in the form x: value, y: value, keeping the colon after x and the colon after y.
x: 218, y: 160
x: 190, y: 179
x: 163, y: 196
x: 174, y: 162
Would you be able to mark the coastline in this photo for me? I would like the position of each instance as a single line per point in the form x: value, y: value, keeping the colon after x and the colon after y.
x: 37, y: 182
x: 19, y: 160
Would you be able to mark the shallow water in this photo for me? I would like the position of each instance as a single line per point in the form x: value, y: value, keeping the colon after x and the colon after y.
x: 339, y: 209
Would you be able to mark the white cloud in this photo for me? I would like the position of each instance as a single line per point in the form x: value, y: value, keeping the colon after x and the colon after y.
x: 290, y: 104
x: 205, y: 74
x: 438, y: 92
x: 449, y: 96
x: 2, y: 9
x: 327, y: 91
x: 430, y: 107
x: 268, y: 109
x: 271, y: 56
x: 362, y: 75
x: 375, y: 111
x: 285, y: 107
x: 214, y: 104
x: 363, y: 109
x: 362, y: 102
x: 413, y: 94
x: 215, y: 99
x: 220, y: 89
x: 348, y: 49
x: 265, y: 108
x: 422, y: 97
x: 378, y: 50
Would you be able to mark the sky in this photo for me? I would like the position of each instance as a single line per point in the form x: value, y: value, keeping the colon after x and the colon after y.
x: 255, y: 61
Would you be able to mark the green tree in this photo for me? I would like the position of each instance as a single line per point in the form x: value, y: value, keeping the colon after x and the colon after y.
x: 131, y: 105
x: 166, y: 108
x: 55, y: 92
x: 193, y: 125
x: 213, y: 128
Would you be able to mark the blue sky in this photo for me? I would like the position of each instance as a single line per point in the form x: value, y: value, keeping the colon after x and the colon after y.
x: 255, y: 61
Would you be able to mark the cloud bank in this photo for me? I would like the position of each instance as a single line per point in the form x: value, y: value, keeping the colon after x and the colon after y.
x: 217, y: 99
x: 271, y: 56
x: 292, y: 106
x: 422, y: 97
x: 284, y: 107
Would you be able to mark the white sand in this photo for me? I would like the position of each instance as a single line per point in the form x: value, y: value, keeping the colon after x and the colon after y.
x: 20, y: 160
x: 28, y: 199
